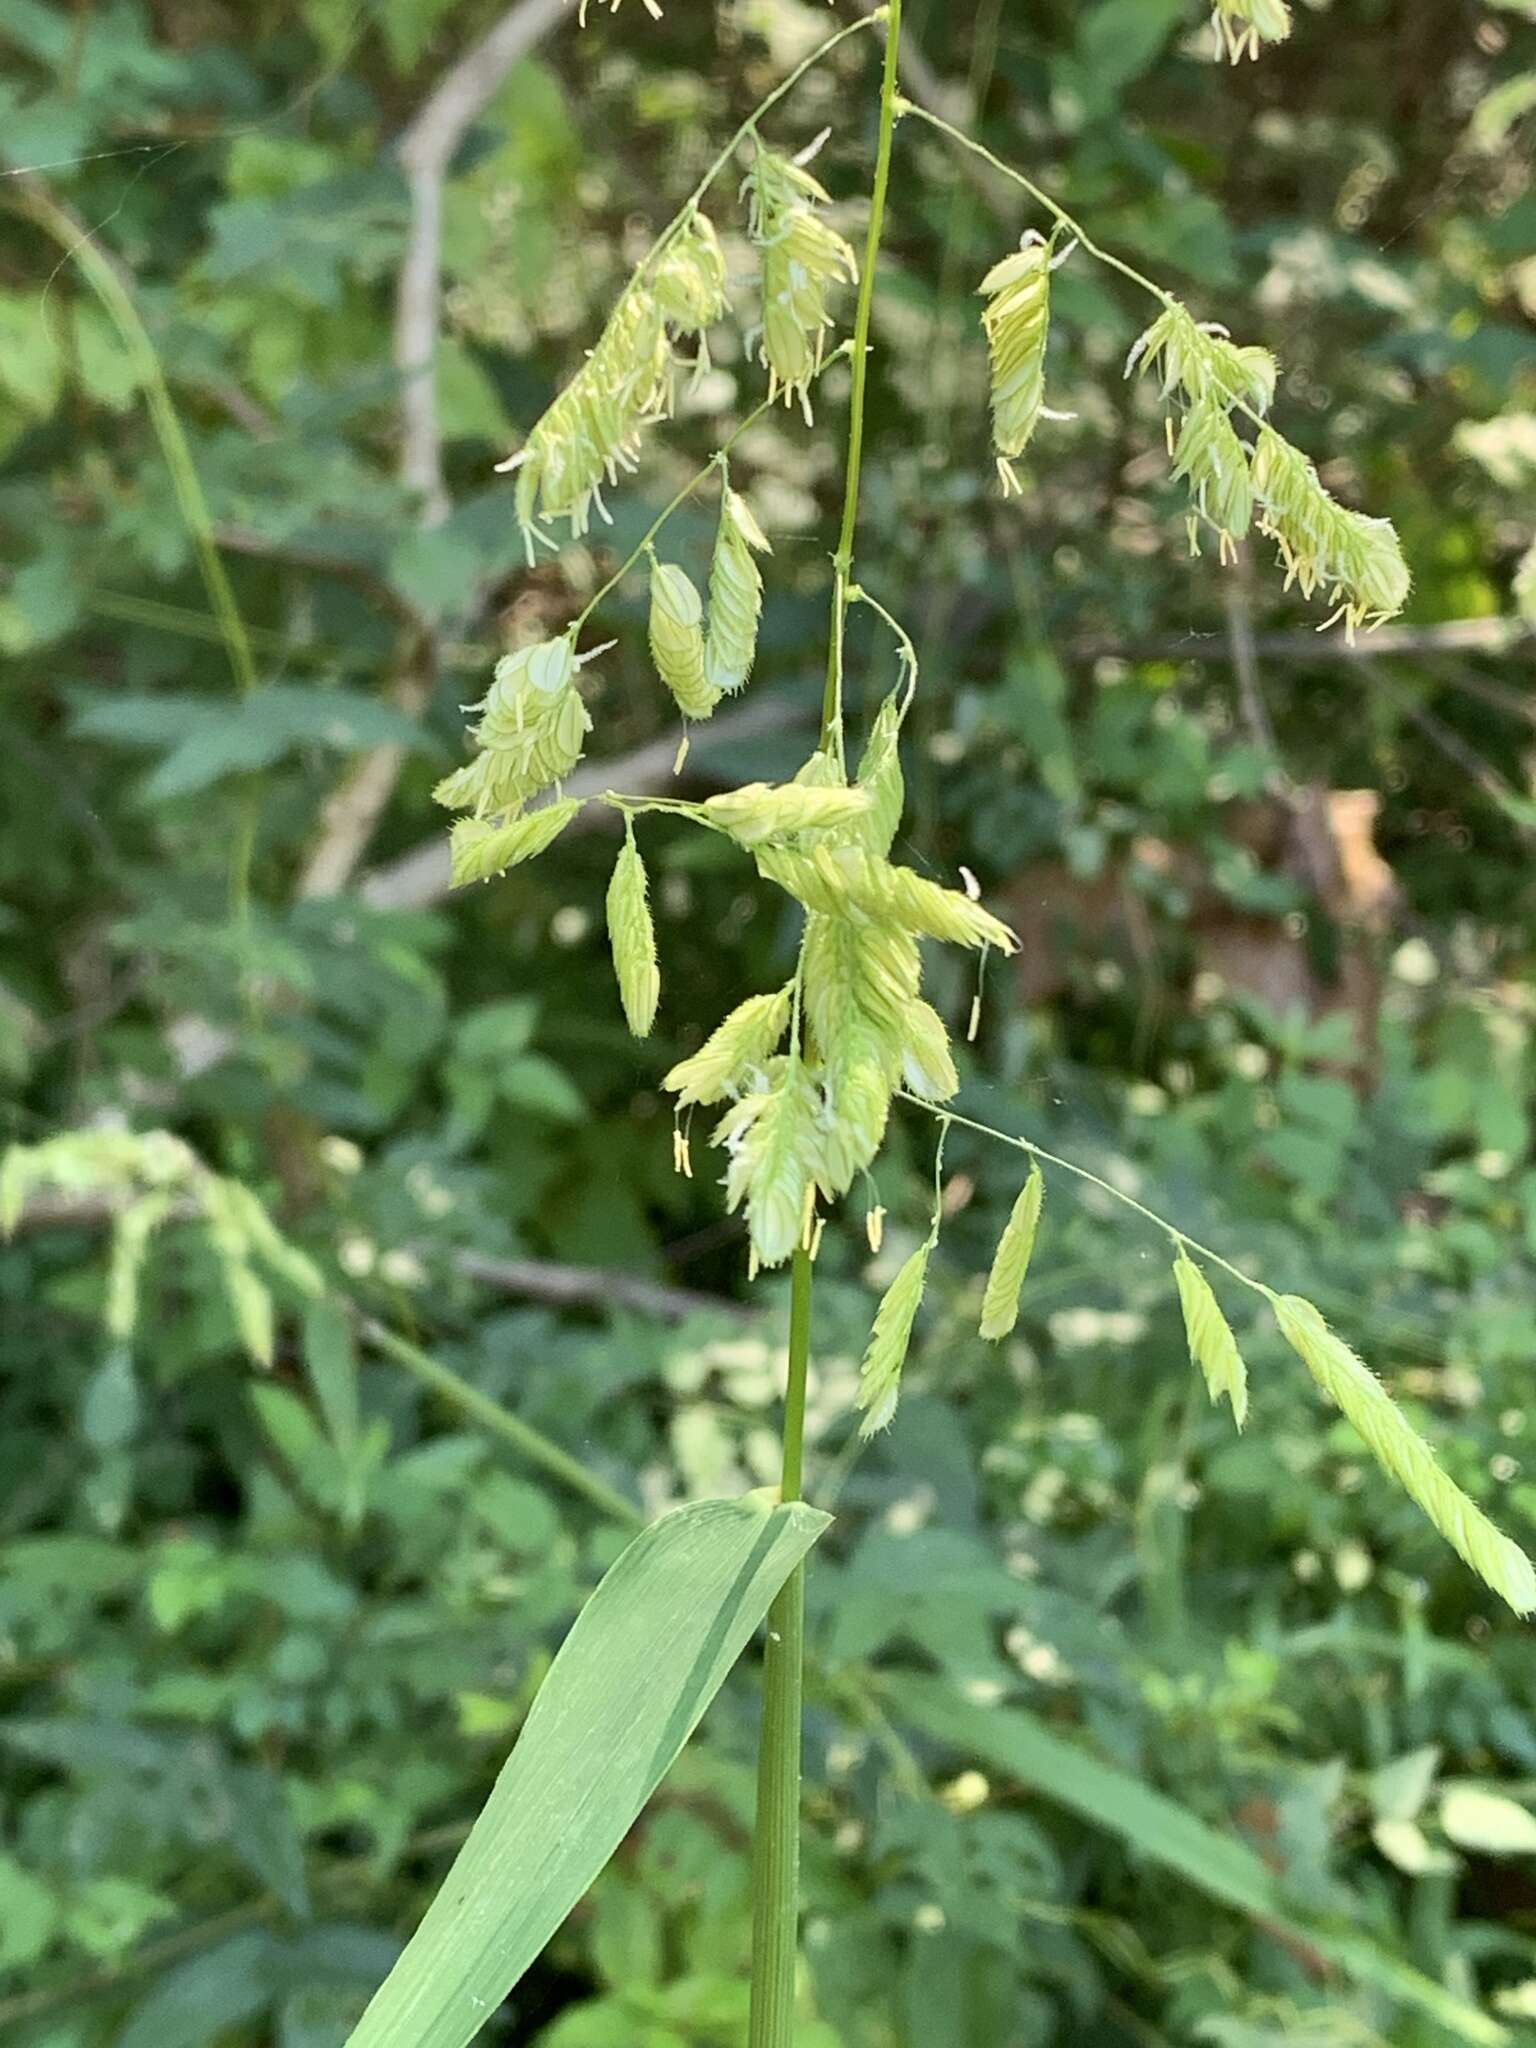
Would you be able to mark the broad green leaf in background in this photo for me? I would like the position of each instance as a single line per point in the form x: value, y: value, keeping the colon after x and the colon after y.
x: 1163, y: 1831
x: 645, y: 1657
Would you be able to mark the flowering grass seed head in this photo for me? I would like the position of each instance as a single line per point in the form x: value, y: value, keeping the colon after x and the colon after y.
x: 761, y: 813
x: 1356, y: 561
x: 1243, y: 26
x: 1215, y: 463
x: 1010, y: 1262
x: 927, y: 1065
x: 1200, y: 360
x: 802, y: 257
x: 732, y: 1060
x: 677, y: 640
x: 772, y: 1138
x: 1017, y: 319
x: 632, y: 938
x: 880, y: 1374
x: 688, y: 278
x: 735, y: 595
x: 480, y: 848
x: 1212, y: 1345
x: 1402, y: 1452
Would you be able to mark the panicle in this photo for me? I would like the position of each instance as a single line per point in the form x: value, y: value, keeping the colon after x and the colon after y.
x: 880, y: 1375
x: 480, y: 848
x: 1010, y: 1262
x: 632, y: 937
x: 801, y: 258
x: 1017, y: 318
x: 1244, y: 26
x: 1403, y: 1453
x: 1212, y: 1345
x: 1356, y: 561
x: 735, y: 595
x: 677, y: 640
x: 736, y: 1052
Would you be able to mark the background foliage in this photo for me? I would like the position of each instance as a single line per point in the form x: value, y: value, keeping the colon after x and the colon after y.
x: 266, y: 1629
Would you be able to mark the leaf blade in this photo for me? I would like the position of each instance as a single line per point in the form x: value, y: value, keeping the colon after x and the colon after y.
x: 644, y: 1658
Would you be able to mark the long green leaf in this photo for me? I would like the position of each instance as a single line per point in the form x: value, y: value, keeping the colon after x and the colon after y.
x: 1159, y: 1828
x: 645, y: 1657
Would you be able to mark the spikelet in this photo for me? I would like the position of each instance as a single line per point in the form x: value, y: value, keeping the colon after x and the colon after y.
x: 1524, y: 585
x: 761, y: 812
x: 1010, y: 1262
x: 131, y: 1233
x: 1215, y: 462
x: 632, y: 937
x: 845, y: 881
x: 593, y: 430
x: 677, y: 640
x: 802, y: 258
x: 772, y: 1139
x: 939, y: 913
x: 1356, y: 561
x: 880, y: 1375
x: 856, y: 1083
x: 881, y: 778
x: 1243, y: 26
x: 1404, y: 1454
x: 1212, y: 1345
x: 1201, y: 360
x: 1017, y: 319
x: 688, y: 278
x: 734, y: 1053
x: 735, y: 595
x: 927, y: 1065
x: 480, y: 848
x: 530, y: 733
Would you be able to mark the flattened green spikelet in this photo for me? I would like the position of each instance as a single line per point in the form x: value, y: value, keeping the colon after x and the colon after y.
x: 480, y: 849
x: 732, y: 1052
x: 735, y: 595
x: 677, y: 640
x: 1017, y: 318
x: 880, y: 1376
x: 1010, y: 1262
x: 1403, y: 1452
x: 1212, y: 1345
x: 632, y: 938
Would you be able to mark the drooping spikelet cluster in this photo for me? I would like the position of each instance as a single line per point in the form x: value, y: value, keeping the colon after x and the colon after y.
x: 150, y: 1178
x: 802, y: 258
x: 804, y: 1122
x: 593, y: 431
x: 530, y: 734
x: 1017, y: 319
x: 701, y: 663
x: 1244, y: 26
x: 1355, y: 561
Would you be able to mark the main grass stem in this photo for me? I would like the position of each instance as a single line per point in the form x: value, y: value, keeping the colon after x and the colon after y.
x: 776, y: 1838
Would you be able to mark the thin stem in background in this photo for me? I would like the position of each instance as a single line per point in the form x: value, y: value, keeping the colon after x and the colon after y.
x: 776, y: 1836
x: 534, y: 1445
x: 842, y: 561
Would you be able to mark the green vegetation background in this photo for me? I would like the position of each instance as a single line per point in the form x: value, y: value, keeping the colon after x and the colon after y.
x: 261, y: 1652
